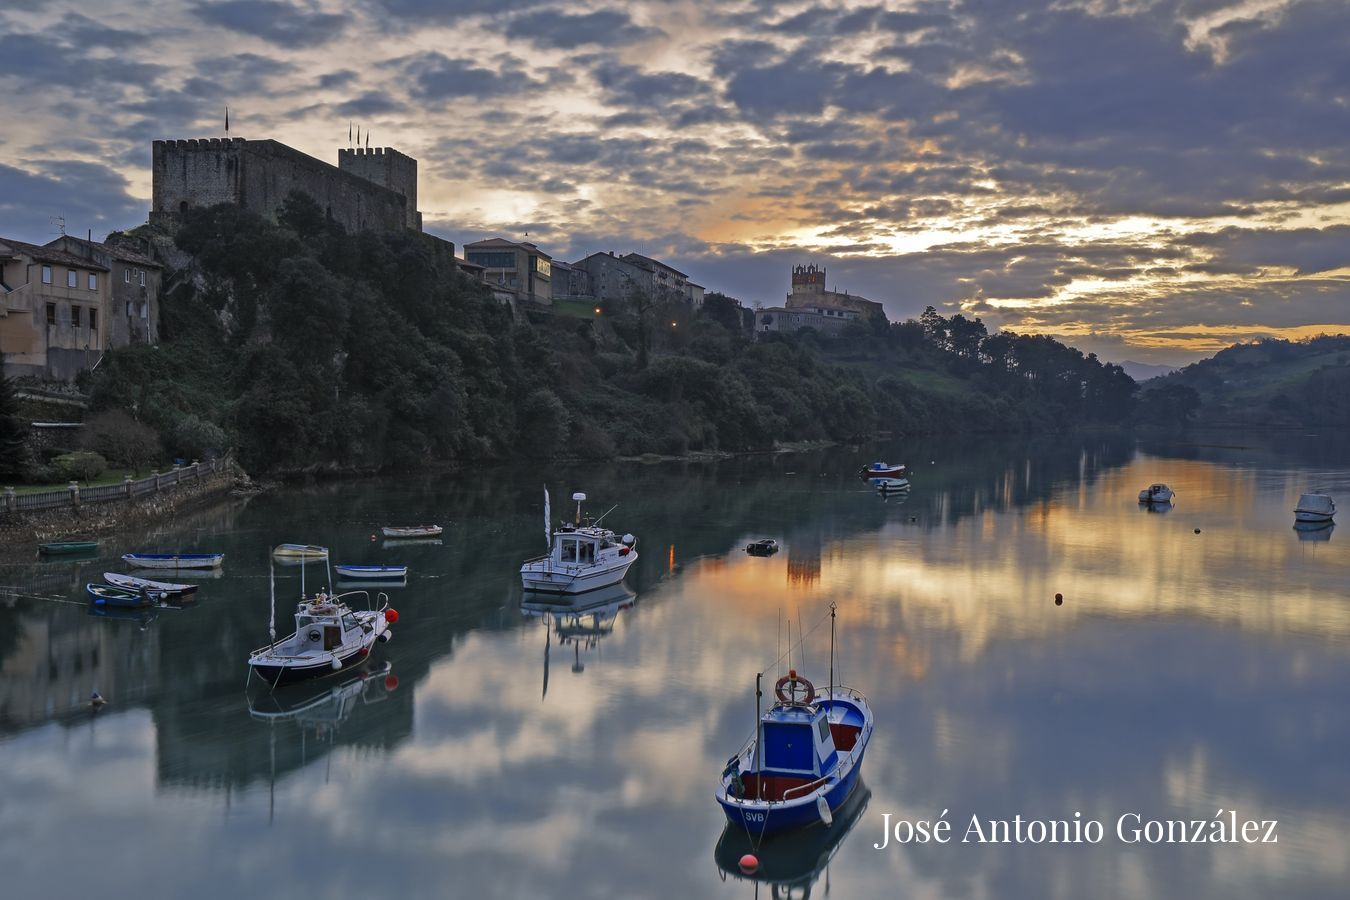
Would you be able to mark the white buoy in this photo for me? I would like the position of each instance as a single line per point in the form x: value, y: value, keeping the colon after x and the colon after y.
x: 824, y: 809
x: 337, y: 664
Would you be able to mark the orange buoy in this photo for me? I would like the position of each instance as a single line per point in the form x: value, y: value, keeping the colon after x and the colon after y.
x: 391, y: 615
x: 749, y: 863
x: 390, y: 682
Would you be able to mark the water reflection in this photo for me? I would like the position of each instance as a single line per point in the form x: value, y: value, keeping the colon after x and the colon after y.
x: 581, y: 620
x: 791, y: 864
x: 1314, y: 531
x: 1184, y: 672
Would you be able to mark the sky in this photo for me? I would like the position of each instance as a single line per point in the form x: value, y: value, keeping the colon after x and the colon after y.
x: 1145, y: 180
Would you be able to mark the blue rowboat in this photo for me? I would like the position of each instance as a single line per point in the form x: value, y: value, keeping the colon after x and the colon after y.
x: 372, y: 572
x: 174, y: 560
x: 108, y: 595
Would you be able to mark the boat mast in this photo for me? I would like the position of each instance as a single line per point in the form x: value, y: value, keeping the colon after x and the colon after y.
x: 272, y: 584
x: 832, y: 609
x: 759, y: 726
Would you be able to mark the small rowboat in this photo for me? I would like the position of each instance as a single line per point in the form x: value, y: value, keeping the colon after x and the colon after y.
x: 174, y: 560
x: 300, y: 552
x: 372, y: 572
x: 765, y: 547
x: 68, y: 548
x: 884, y: 470
x: 131, y: 582
x: 108, y: 595
x: 411, y: 531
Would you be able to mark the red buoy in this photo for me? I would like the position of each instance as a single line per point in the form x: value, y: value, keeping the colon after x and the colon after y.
x: 391, y: 615
x: 792, y: 673
x: 390, y: 682
x: 749, y: 863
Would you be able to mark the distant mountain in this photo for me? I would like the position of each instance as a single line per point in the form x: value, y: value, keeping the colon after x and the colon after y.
x: 1144, y: 371
x: 1269, y: 383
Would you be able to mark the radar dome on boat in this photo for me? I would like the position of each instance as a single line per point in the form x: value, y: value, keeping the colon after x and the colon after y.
x: 578, y: 496
x: 628, y: 540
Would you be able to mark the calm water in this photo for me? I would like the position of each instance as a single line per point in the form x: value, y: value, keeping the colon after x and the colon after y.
x: 511, y: 751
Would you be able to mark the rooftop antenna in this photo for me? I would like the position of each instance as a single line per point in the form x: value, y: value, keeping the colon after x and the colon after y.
x: 60, y: 223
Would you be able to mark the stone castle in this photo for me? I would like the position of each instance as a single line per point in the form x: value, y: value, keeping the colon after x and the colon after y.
x: 369, y: 189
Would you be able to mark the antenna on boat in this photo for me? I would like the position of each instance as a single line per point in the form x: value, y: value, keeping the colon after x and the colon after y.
x: 759, y: 726
x: 272, y: 584
x: 607, y: 512
x: 832, y: 609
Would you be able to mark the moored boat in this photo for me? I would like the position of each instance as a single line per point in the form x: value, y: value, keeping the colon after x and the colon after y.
x: 411, y: 531
x: 110, y: 595
x: 1315, y: 508
x: 890, y: 485
x: 385, y: 573
x: 884, y: 470
x: 67, y: 548
x: 167, y: 588
x: 329, y: 636
x: 765, y: 547
x: 1156, y: 493
x: 804, y: 759
x: 583, y: 556
x: 300, y: 552
x: 174, y: 560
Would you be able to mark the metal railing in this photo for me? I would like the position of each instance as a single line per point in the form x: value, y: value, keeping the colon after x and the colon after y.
x: 74, y: 495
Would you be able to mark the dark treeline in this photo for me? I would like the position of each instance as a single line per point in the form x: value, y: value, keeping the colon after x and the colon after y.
x: 301, y: 347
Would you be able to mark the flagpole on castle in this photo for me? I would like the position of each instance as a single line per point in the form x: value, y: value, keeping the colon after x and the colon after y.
x: 227, y: 121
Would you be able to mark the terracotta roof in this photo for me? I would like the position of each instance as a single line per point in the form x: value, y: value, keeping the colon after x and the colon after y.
x: 50, y: 255
x: 116, y: 251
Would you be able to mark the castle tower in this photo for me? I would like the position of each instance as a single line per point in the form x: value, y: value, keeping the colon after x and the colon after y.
x: 808, y: 280
x: 388, y: 168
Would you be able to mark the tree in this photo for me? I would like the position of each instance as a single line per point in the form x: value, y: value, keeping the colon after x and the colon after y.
x: 13, y: 432
x: 116, y: 436
x: 1171, y: 403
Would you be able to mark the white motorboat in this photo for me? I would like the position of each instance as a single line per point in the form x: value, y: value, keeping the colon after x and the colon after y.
x: 1156, y: 493
x: 329, y: 636
x: 411, y: 531
x: 583, y: 556
x: 886, y: 485
x: 1314, y: 508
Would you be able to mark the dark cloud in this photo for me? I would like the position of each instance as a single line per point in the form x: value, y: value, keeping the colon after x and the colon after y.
x: 438, y: 77
x: 608, y: 28
x: 369, y: 104
x: 279, y: 22
x: 1305, y: 250
x: 88, y: 195
x: 416, y: 12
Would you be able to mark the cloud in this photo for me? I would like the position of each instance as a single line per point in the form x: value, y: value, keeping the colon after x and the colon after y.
x: 438, y: 77
x: 278, y: 22
x: 88, y: 195
x: 550, y: 28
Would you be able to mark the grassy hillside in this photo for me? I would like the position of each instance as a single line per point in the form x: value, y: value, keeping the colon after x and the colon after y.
x: 1270, y: 383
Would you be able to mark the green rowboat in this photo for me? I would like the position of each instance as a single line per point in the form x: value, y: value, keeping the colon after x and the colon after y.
x: 68, y: 548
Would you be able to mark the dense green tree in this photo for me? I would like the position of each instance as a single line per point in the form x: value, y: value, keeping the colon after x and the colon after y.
x: 13, y: 432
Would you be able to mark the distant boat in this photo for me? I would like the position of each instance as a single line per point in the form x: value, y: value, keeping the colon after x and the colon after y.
x: 174, y: 560
x: 68, y: 548
x: 411, y: 531
x: 375, y: 572
x: 167, y: 588
x: 884, y: 470
x: 766, y: 547
x: 109, y: 595
x: 1156, y: 493
x: 1314, y: 508
x: 583, y: 557
x: 300, y: 552
x: 888, y: 485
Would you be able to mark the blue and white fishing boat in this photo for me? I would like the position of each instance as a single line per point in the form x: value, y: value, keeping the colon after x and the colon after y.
x: 174, y: 560
x: 167, y: 588
x: 374, y: 573
x: 583, y: 556
x: 804, y: 759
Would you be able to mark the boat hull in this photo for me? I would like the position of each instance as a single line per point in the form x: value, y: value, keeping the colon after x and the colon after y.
x: 563, y: 580
x: 1303, y: 515
x: 372, y: 573
x: 175, y: 561
x: 163, y: 587
x: 104, y: 595
x: 280, y: 675
x: 423, y: 531
x: 775, y: 818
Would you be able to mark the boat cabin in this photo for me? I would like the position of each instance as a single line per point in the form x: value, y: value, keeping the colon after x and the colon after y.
x: 799, y: 747
x: 321, y: 624
x: 583, y: 546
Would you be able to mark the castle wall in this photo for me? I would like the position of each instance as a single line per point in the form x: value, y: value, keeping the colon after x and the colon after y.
x: 258, y: 175
x: 388, y: 168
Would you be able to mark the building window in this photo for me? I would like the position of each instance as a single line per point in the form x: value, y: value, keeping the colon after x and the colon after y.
x: 141, y: 273
x: 72, y: 278
x: 51, y: 313
x: 126, y: 275
x: 128, y: 309
x: 493, y: 259
x: 93, y: 321
x: 74, y: 316
x: 143, y: 309
x: 46, y: 274
x: 93, y: 281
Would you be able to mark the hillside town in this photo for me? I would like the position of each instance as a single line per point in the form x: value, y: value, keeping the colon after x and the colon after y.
x: 72, y: 299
